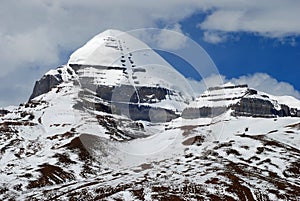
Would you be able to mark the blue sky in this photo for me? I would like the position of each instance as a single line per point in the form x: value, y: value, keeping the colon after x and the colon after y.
x: 249, y: 53
x: 257, y: 41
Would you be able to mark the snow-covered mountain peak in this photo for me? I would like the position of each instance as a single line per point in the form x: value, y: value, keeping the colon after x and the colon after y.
x: 114, y: 59
x: 108, y: 47
x: 110, y: 32
x: 115, y: 123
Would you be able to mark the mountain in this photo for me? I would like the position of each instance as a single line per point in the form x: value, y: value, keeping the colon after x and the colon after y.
x: 117, y: 122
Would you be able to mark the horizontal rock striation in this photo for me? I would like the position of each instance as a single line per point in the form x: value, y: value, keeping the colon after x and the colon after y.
x: 242, y: 100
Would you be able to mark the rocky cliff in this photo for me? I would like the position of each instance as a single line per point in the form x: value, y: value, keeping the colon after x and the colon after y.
x: 45, y: 84
x: 241, y: 100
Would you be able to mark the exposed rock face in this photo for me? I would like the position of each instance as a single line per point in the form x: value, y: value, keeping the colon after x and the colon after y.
x: 295, y: 112
x: 133, y: 111
x: 203, y: 112
x: 285, y: 111
x: 138, y: 102
x: 228, y: 87
x: 132, y: 94
x: 242, y: 100
x: 121, y: 96
x: 3, y: 112
x: 254, y: 107
x: 45, y: 84
x: 146, y: 113
x: 50, y: 175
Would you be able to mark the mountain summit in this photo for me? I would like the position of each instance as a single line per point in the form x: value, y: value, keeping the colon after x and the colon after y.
x: 118, y: 122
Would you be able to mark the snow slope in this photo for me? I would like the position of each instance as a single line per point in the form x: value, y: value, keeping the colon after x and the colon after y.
x: 144, y: 66
x: 59, y: 147
x: 288, y: 100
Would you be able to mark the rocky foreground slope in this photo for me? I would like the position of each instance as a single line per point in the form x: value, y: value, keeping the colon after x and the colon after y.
x: 110, y: 125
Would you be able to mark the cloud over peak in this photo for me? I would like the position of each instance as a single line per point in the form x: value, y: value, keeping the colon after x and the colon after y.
x: 274, y: 19
x: 266, y: 83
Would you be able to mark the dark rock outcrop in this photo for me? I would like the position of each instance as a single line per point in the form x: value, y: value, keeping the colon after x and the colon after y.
x: 126, y: 99
x: 242, y: 100
x: 45, y: 84
x: 284, y: 112
x: 262, y: 108
x: 128, y: 93
x: 251, y: 92
x: 132, y: 110
x: 3, y: 112
x: 193, y: 113
x: 254, y: 107
x: 227, y: 87
x: 295, y: 112
x: 51, y: 174
x: 139, y: 112
x: 250, y: 107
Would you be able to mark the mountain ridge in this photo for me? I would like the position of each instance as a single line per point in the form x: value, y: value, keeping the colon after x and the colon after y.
x: 93, y: 132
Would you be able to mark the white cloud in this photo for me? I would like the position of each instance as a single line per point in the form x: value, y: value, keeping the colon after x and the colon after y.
x: 274, y: 19
x: 259, y: 81
x: 27, y: 49
x: 265, y: 83
x: 171, y: 39
x: 214, y: 37
x: 202, y: 85
x: 37, y: 32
